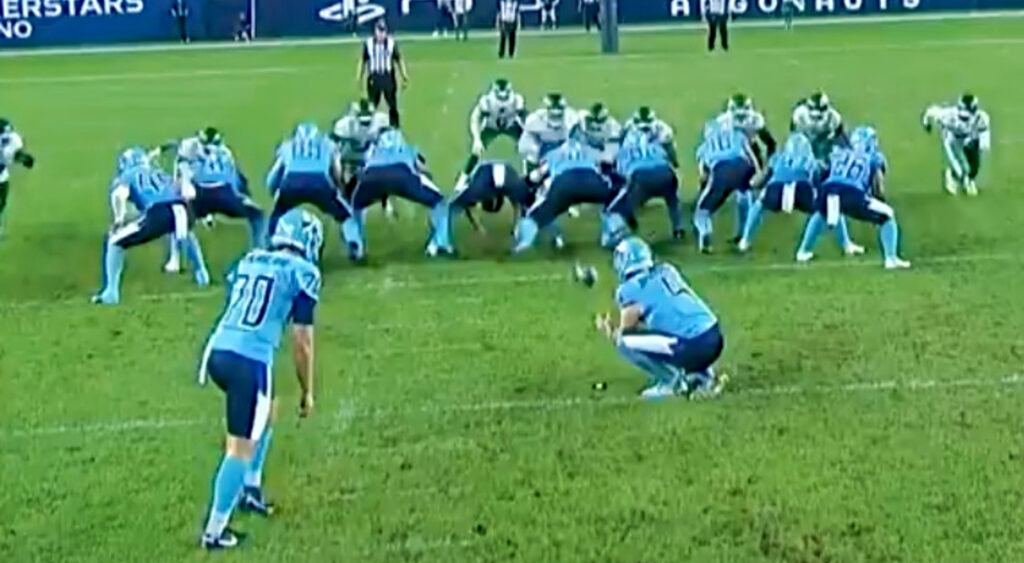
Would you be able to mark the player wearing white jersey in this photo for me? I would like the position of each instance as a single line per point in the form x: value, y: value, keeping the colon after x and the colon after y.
x: 12, y: 150
x: 545, y: 129
x: 354, y: 132
x: 740, y: 113
x: 499, y: 112
x: 656, y: 131
x: 820, y: 122
x: 964, y: 128
x: 599, y: 130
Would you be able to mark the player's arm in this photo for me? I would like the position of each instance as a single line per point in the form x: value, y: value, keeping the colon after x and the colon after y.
x: 476, y: 120
x: 985, y: 135
x: 766, y: 138
x: 759, y: 179
x: 303, y: 349
x: 337, y: 170
x: 275, y: 175
x: 119, y: 203
x: 878, y: 184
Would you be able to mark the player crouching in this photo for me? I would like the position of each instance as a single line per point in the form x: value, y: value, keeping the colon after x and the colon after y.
x: 11, y: 151
x: 269, y: 289
x: 790, y: 182
x: 647, y: 171
x: 571, y: 174
x: 964, y: 129
x: 854, y: 187
x: 488, y: 184
x: 395, y: 168
x: 663, y: 327
x: 162, y: 210
x: 727, y: 164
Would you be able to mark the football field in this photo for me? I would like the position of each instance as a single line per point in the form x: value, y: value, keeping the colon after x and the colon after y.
x: 871, y: 415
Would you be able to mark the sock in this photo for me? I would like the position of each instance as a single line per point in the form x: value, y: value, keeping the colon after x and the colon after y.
x: 890, y: 235
x: 811, y: 232
x: 257, y: 231
x: 113, y: 267
x: 254, y: 475
x: 843, y: 233
x: 742, y: 209
x: 352, y: 234
x: 194, y: 252
x: 702, y: 221
x: 526, y: 234
x: 753, y: 220
x: 440, y: 217
x: 471, y: 163
x: 226, y: 486
x: 657, y: 372
x: 675, y: 216
x: 173, y: 251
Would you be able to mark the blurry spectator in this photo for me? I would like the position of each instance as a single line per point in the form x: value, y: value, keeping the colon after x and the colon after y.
x: 549, y: 14
x: 243, y: 30
x: 351, y: 15
x: 509, y: 20
x: 179, y: 11
x: 444, y: 17
x: 591, y: 12
x: 460, y: 14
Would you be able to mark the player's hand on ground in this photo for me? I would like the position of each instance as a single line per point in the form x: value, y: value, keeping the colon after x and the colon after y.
x: 405, y: 82
x: 306, y: 405
x: 603, y: 323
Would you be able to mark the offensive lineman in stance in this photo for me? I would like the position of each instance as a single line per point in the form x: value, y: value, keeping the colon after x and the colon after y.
x: 269, y: 290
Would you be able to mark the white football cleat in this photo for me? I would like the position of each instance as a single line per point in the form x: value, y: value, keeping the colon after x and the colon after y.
x: 804, y: 257
x: 389, y: 210
x: 896, y: 264
x: 559, y: 242
x: 951, y: 184
x: 971, y: 188
x: 853, y: 250
x: 574, y: 211
x: 743, y: 245
x: 658, y: 392
x: 173, y: 266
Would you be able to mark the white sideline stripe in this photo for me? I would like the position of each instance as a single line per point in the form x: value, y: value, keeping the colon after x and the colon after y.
x: 216, y: 72
x: 490, y: 35
x: 390, y: 284
x: 344, y: 417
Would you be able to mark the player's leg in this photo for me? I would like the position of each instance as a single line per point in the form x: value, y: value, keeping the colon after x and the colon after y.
x: 253, y: 498
x: 238, y: 206
x: 616, y: 217
x: 875, y: 211
x: 696, y: 358
x: 550, y: 203
x: 972, y: 156
x: 652, y: 352
x: 155, y: 223
x: 246, y: 384
x: 186, y: 239
x: 816, y: 223
x: 740, y: 174
x: 5, y: 189
x: 711, y: 198
x: 956, y: 164
x: 771, y: 199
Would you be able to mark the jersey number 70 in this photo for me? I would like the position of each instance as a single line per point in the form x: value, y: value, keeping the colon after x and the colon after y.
x: 250, y: 299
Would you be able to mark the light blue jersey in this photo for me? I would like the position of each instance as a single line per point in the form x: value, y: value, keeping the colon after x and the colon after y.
x: 391, y: 150
x: 302, y: 154
x: 855, y: 168
x: 640, y: 155
x: 147, y: 186
x: 669, y: 304
x: 267, y: 288
x: 794, y: 163
x: 722, y: 144
x: 571, y: 155
x: 216, y: 167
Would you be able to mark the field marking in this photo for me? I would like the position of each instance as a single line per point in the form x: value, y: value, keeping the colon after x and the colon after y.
x: 347, y: 412
x: 215, y: 72
x: 389, y: 284
x: 489, y: 35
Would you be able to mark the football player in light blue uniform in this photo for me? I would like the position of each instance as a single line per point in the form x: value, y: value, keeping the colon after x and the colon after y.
x: 663, y: 327
x: 218, y: 185
x: 854, y: 187
x: 395, y: 168
x: 308, y: 170
x: 488, y: 184
x: 790, y: 182
x: 646, y: 168
x: 162, y: 211
x: 270, y: 289
x: 727, y: 164
x: 571, y: 174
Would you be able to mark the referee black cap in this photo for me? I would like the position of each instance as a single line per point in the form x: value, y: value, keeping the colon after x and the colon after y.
x: 381, y: 25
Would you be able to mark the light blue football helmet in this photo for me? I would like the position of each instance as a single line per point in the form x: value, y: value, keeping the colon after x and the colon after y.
x: 301, y: 231
x: 864, y: 138
x: 798, y: 143
x: 632, y: 255
x: 132, y: 157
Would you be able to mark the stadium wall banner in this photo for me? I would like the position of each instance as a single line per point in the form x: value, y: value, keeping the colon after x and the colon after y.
x: 30, y: 23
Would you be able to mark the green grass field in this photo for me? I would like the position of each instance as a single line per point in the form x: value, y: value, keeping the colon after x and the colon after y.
x: 873, y: 416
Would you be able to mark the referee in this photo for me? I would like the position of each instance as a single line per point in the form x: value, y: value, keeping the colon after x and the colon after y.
x: 717, y: 13
x: 380, y: 57
x: 509, y: 20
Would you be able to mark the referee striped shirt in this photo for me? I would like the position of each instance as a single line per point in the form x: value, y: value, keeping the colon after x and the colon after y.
x: 717, y: 7
x: 508, y: 11
x: 380, y: 56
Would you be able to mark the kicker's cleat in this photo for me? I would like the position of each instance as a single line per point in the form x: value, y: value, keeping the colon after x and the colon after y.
x: 853, y: 250
x: 896, y: 264
x: 700, y: 386
x: 804, y: 257
x: 227, y: 539
x: 743, y: 245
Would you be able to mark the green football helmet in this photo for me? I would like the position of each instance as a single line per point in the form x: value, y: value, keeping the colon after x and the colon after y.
x: 739, y: 103
x: 5, y: 126
x: 597, y: 116
x: 644, y: 118
x: 967, y: 107
x: 363, y: 111
x: 502, y: 89
x: 210, y: 136
x: 819, y: 102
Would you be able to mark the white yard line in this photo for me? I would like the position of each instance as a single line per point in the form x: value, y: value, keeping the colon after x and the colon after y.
x: 256, y: 70
x: 388, y: 284
x: 682, y: 25
x: 346, y: 414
